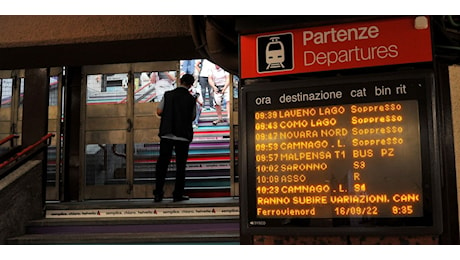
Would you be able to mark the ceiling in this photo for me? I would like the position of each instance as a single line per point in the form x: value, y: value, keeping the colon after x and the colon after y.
x: 214, y: 37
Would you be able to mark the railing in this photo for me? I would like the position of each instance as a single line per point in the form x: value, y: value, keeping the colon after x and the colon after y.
x: 135, y: 92
x: 8, y: 147
x: 8, y: 138
x: 24, y: 153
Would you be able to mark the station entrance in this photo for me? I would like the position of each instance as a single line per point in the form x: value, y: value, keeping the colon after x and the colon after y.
x: 118, y: 129
x: 12, y: 84
x: 119, y: 136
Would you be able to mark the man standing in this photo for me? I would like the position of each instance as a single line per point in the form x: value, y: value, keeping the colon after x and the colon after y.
x: 177, y: 110
x: 219, y: 80
x: 204, y: 67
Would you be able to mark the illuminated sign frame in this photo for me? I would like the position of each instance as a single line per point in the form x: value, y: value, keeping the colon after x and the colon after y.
x: 408, y: 88
x: 336, y: 47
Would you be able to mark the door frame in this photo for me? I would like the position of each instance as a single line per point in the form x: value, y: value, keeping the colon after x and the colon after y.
x: 129, y: 189
x: 54, y: 126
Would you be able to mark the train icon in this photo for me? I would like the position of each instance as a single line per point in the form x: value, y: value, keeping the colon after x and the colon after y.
x: 274, y: 53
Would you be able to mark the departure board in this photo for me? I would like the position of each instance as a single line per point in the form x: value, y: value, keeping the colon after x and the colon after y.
x: 345, y: 153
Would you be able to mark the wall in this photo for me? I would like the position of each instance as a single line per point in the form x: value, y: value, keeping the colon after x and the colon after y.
x: 55, y: 41
x: 20, y: 199
x: 454, y: 74
x: 33, y: 30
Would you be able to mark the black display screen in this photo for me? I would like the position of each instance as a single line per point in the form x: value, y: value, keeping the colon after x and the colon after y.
x: 356, y: 154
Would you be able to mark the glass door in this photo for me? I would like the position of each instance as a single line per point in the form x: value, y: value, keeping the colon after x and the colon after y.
x: 11, y: 92
x: 120, y: 130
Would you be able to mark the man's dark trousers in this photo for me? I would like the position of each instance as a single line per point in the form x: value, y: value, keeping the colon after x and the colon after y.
x: 181, y: 149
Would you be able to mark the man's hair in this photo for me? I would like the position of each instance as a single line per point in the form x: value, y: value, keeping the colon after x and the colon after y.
x: 187, y: 80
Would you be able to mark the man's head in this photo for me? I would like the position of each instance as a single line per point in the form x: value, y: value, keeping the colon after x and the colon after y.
x: 187, y: 80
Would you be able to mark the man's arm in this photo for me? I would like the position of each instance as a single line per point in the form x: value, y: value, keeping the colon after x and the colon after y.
x: 197, y: 67
x: 194, y: 113
x: 211, y: 82
x: 161, y: 106
x: 227, y: 82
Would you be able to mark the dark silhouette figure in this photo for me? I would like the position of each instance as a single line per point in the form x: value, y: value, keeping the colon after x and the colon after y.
x: 177, y: 110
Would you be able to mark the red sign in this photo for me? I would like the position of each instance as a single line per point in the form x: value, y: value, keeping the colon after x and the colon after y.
x: 344, y: 46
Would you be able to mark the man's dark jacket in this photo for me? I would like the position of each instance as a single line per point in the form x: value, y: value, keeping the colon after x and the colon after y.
x: 177, y: 116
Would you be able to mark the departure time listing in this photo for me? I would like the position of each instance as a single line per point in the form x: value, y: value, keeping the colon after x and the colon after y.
x: 352, y: 160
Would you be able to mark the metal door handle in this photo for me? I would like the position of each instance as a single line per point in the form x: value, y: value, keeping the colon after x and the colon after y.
x: 130, y: 125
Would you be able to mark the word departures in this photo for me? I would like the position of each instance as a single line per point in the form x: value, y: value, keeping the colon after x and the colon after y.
x: 338, y: 161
